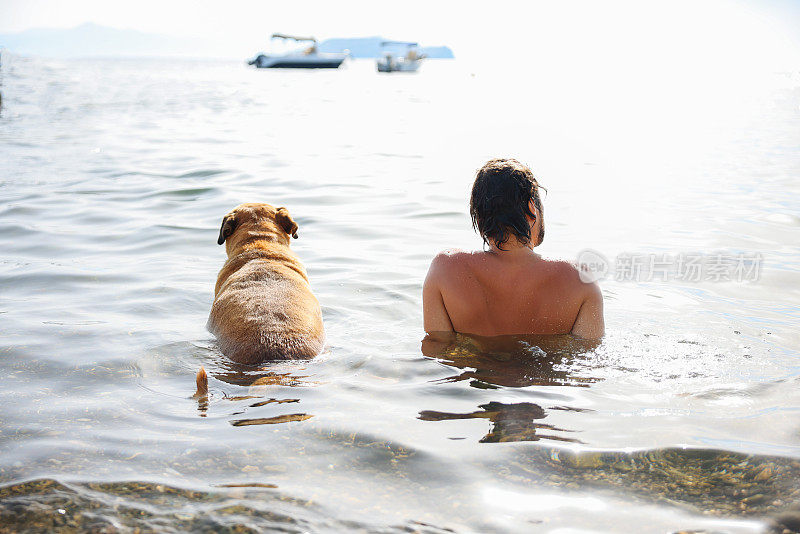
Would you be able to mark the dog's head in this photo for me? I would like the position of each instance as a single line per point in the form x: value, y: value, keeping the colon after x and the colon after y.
x: 263, y: 219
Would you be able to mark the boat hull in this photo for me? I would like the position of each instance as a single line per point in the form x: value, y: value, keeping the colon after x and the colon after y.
x: 398, y: 66
x: 311, y: 61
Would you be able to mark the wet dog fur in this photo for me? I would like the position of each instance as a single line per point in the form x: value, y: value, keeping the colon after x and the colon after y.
x: 263, y: 305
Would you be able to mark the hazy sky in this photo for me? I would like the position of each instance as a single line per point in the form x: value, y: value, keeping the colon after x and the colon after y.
x: 626, y: 34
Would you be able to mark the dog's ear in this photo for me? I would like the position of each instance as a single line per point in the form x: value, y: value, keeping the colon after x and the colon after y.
x: 227, y: 228
x: 286, y: 222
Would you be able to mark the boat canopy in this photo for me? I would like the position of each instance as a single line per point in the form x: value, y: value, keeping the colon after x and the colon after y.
x: 284, y: 36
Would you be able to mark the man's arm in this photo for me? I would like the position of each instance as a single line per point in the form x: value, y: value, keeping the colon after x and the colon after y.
x: 590, y: 323
x: 436, y: 344
x: 434, y: 312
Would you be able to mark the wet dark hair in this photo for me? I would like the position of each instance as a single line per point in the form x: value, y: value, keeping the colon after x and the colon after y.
x: 501, y: 193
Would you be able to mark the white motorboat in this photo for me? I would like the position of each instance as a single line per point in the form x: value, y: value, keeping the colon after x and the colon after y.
x: 391, y: 62
x: 308, y: 58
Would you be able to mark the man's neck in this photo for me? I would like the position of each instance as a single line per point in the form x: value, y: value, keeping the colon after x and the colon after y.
x: 513, y: 249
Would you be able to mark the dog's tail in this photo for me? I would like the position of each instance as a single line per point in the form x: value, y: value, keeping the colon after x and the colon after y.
x: 202, y: 384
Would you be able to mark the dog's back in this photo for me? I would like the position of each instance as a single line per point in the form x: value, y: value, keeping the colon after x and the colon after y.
x: 264, y: 308
x: 261, y: 315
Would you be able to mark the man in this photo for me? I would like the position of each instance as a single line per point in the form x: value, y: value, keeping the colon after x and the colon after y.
x: 508, y: 289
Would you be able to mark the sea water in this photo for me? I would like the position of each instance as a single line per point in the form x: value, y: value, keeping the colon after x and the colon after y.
x: 115, y: 175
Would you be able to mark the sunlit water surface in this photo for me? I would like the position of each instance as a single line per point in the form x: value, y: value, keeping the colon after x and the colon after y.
x: 115, y: 177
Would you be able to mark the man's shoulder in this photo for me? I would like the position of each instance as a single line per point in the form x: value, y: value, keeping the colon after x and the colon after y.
x: 569, y: 272
x: 452, y: 255
x: 449, y: 260
x: 580, y: 279
x: 558, y: 266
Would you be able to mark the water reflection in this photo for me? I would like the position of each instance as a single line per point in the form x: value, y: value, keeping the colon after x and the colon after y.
x: 511, y: 422
x: 258, y: 380
x: 272, y: 420
x: 258, y: 377
x: 509, y: 361
x: 251, y: 388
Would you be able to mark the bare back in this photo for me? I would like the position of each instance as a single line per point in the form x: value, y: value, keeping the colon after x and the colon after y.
x: 491, y: 294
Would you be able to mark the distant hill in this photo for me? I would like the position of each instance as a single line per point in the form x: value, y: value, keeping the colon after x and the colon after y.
x: 90, y: 39
x: 93, y: 40
x: 370, y: 47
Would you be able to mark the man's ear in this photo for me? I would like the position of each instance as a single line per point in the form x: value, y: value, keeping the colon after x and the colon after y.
x: 227, y: 228
x: 286, y: 222
x: 532, y: 209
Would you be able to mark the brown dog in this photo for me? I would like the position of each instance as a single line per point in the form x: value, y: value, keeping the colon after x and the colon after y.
x: 263, y: 306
